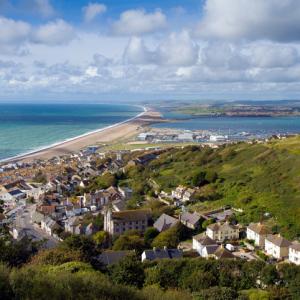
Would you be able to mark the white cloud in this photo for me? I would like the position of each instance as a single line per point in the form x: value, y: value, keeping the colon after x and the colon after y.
x: 137, y: 53
x: 13, y: 32
x: 274, y: 55
x: 44, y: 7
x: 54, y: 33
x: 137, y: 21
x: 92, y: 10
x: 256, y: 19
x: 177, y: 49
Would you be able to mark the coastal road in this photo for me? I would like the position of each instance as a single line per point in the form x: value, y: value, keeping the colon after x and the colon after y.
x: 23, y: 220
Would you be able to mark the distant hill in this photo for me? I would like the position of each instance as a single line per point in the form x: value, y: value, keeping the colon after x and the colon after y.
x: 262, y: 179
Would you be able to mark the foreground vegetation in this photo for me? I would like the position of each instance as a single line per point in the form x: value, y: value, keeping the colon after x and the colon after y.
x: 71, y: 271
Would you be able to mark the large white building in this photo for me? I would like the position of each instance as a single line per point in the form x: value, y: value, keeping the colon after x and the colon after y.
x: 277, y: 246
x: 294, y: 253
x: 257, y: 232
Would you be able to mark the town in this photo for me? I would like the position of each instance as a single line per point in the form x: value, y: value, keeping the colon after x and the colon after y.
x: 77, y: 195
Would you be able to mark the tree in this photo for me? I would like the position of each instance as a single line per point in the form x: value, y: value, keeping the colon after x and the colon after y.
x: 129, y: 242
x: 149, y: 235
x: 128, y: 271
x: 211, y: 176
x: 168, y: 238
x: 199, y: 280
x: 85, y: 245
x: 269, y: 274
x: 218, y: 293
x: 198, y: 179
x: 206, y: 223
x: 56, y: 256
x: 100, y: 238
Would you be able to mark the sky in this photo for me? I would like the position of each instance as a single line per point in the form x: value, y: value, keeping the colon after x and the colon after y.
x: 122, y: 50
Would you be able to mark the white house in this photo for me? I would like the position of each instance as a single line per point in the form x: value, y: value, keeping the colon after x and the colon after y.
x: 257, y: 232
x: 188, y: 195
x: 204, y: 245
x: 221, y: 232
x: 49, y: 225
x: 294, y: 253
x: 178, y: 192
x: 277, y: 246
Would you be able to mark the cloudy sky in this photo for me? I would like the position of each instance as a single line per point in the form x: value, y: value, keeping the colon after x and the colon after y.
x: 122, y: 50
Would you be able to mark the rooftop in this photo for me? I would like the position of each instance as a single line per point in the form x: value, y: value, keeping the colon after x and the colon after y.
x: 278, y: 240
x: 131, y: 215
x: 259, y: 228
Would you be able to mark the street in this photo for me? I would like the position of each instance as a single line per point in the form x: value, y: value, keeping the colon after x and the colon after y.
x: 24, y: 220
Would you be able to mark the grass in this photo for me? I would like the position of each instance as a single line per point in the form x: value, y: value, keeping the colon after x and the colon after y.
x: 259, y: 178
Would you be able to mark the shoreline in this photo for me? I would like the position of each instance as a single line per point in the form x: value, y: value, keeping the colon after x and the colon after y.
x: 77, y: 143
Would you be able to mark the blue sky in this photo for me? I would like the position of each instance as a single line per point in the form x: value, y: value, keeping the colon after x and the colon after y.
x: 142, y: 50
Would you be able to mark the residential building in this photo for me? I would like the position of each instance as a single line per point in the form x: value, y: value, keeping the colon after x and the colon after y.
x: 117, y: 222
x: 190, y: 220
x: 277, y: 246
x: 161, y: 254
x: 165, y: 222
x: 204, y: 245
x: 49, y: 225
x: 257, y: 232
x: 294, y: 253
x: 223, y: 253
x: 188, y: 195
x: 178, y: 192
x: 221, y: 232
x: 110, y: 257
x: 71, y: 224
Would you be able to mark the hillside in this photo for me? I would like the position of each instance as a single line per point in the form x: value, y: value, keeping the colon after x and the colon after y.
x: 261, y: 179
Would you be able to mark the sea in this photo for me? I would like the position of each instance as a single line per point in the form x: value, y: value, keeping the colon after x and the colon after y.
x: 28, y: 127
x: 250, y: 127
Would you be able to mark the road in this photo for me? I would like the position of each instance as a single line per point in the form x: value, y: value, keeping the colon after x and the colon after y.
x: 24, y: 220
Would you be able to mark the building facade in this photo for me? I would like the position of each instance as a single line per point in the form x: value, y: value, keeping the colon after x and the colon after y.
x: 116, y: 223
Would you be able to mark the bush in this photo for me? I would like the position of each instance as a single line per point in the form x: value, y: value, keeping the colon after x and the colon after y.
x: 56, y: 256
x: 149, y: 235
x: 128, y: 271
x: 217, y: 293
x: 129, y: 242
x: 5, y: 288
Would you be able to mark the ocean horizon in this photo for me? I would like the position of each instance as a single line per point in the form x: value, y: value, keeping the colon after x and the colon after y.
x: 25, y: 128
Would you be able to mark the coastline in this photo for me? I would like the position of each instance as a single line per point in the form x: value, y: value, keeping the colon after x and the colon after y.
x: 75, y: 144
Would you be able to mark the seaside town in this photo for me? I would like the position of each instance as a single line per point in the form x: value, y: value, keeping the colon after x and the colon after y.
x: 50, y: 200
x: 150, y: 150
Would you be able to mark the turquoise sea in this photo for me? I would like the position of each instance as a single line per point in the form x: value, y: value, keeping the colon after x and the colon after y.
x: 252, y: 126
x: 27, y: 127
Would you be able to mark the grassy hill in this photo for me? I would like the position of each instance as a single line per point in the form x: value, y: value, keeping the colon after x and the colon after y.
x: 261, y: 179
